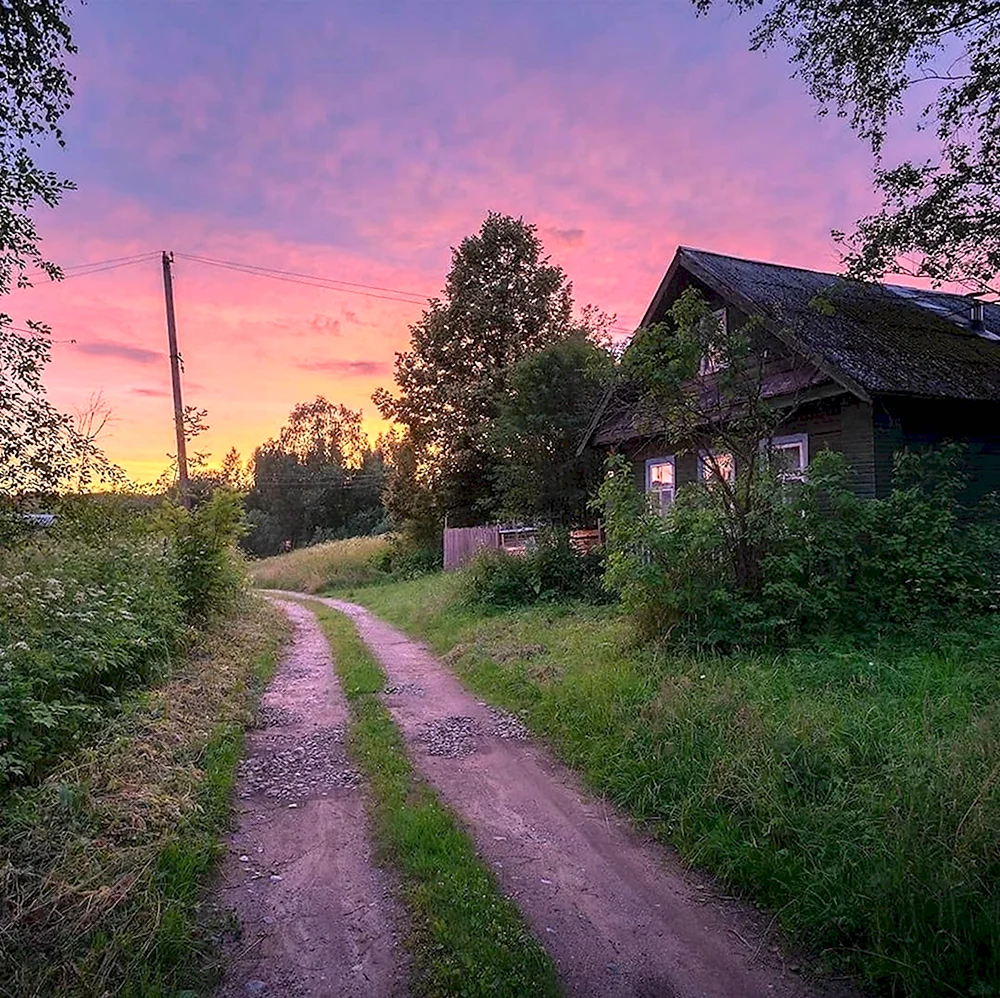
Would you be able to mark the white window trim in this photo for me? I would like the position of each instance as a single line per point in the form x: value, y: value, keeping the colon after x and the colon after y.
x: 800, y: 440
x: 703, y: 466
x: 650, y: 491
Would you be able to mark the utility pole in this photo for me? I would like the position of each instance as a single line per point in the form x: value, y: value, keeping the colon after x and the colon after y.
x: 175, y: 380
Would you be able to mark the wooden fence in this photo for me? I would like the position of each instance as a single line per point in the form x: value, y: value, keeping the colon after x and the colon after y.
x: 461, y: 543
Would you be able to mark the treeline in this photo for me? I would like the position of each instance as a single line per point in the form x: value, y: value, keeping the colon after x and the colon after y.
x: 490, y: 403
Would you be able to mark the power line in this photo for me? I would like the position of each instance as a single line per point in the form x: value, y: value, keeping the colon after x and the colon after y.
x: 328, y: 284
x: 97, y: 267
x: 133, y: 258
x: 379, y: 291
x: 271, y: 271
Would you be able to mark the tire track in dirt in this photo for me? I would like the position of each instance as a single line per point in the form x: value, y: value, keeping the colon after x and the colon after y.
x: 316, y: 917
x: 620, y: 915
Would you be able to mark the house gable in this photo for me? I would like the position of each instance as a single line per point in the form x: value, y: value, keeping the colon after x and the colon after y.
x: 688, y: 269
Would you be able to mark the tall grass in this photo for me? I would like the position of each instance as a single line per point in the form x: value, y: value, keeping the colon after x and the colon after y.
x: 104, y: 862
x: 333, y: 565
x: 855, y: 791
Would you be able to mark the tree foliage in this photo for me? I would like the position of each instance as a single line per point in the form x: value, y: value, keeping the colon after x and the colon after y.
x: 503, y: 300
x: 36, y: 87
x: 540, y: 422
x: 720, y: 413
x: 41, y: 448
x: 319, y: 479
x: 929, y: 63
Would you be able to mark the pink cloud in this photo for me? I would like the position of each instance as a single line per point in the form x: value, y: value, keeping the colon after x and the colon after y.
x: 614, y: 183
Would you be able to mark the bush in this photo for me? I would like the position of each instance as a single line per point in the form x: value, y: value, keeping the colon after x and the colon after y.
x: 78, y: 625
x: 401, y: 559
x: 206, y: 567
x: 97, y: 605
x: 825, y: 560
x: 553, y: 572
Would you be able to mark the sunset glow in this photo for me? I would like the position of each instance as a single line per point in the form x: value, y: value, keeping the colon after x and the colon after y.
x: 360, y: 145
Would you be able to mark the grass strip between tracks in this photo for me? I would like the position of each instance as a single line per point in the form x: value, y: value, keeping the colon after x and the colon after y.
x: 467, y: 938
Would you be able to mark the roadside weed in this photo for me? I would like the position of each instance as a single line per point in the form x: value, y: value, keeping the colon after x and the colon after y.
x: 103, y: 863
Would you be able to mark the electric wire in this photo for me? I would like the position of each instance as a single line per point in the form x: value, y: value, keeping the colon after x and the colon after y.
x: 97, y: 266
x: 327, y: 284
x: 271, y: 271
x: 378, y: 291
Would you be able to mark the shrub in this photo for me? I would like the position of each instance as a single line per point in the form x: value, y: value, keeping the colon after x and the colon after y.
x: 97, y: 605
x: 78, y: 625
x: 825, y: 560
x: 553, y: 572
x: 204, y: 561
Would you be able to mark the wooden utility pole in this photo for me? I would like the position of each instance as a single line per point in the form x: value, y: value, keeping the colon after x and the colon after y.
x: 175, y: 380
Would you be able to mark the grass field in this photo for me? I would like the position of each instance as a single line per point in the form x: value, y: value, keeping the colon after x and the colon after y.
x: 855, y: 792
x: 467, y: 938
x: 334, y: 565
x: 103, y: 864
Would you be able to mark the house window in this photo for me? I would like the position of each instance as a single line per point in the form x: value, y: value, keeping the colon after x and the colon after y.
x: 714, y: 361
x: 789, y: 456
x: 660, y: 482
x: 715, y: 466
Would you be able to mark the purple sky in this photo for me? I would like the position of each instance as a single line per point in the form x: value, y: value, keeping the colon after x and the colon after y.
x: 360, y: 141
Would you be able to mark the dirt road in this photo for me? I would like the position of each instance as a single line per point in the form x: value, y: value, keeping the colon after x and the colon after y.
x: 317, y: 918
x: 619, y: 915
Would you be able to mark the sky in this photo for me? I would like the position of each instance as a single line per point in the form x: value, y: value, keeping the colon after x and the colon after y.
x: 360, y: 142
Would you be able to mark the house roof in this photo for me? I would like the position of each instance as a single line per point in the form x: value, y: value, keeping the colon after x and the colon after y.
x: 868, y: 338
x: 880, y: 338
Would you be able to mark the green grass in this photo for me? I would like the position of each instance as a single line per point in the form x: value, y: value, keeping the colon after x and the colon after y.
x: 334, y: 565
x: 468, y: 939
x: 855, y: 792
x: 103, y: 864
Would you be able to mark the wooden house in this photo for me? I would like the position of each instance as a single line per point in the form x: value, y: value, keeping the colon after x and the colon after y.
x: 864, y: 369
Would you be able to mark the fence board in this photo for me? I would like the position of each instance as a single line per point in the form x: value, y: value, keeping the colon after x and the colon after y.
x: 461, y: 543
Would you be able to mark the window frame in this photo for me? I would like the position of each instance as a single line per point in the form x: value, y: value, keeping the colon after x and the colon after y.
x: 787, y: 442
x: 659, y: 506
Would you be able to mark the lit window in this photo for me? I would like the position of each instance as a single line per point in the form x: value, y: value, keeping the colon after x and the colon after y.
x: 789, y: 457
x: 660, y: 481
x: 714, y: 361
x: 717, y: 466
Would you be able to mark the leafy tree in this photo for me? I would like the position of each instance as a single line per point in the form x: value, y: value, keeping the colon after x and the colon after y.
x: 718, y: 411
x: 323, y: 433
x: 318, y: 479
x: 870, y: 62
x: 232, y: 473
x: 503, y: 299
x: 552, y: 397
x: 41, y: 448
x: 35, y: 92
